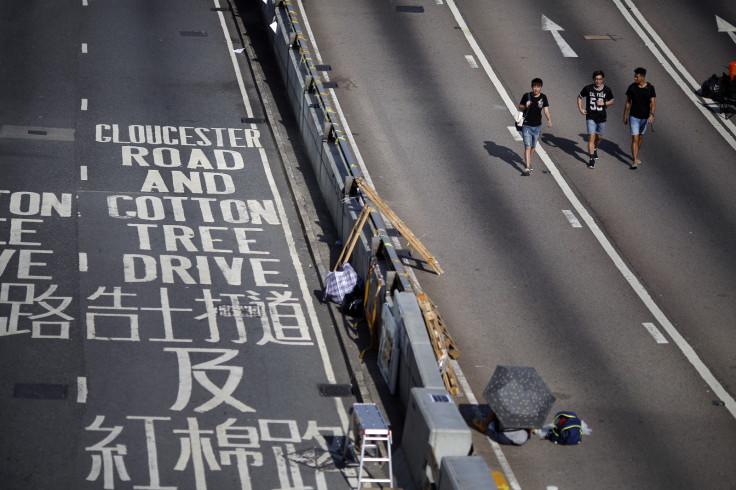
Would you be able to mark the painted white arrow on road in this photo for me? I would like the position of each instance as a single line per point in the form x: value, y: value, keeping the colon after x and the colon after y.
x: 724, y: 26
x: 548, y: 25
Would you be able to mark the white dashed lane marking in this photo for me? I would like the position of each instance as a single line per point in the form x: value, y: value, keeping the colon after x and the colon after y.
x: 571, y: 218
x: 652, y: 329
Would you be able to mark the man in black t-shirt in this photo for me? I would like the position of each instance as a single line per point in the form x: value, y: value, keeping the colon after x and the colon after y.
x: 533, y: 103
x: 641, y: 98
x: 597, y: 98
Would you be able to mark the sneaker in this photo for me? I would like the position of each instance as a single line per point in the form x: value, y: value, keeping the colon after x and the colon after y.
x: 595, y: 154
x: 634, y: 166
x: 527, y: 171
x: 591, y: 163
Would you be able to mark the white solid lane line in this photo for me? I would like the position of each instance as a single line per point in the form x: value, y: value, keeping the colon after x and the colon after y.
x: 238, y: 76
x: 515, y: 134
x: 306, y: 294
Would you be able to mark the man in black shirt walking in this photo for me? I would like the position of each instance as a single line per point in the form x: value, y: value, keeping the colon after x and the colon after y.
x: 533, y: 103
x: 597, y: 98
x: 641, y: 99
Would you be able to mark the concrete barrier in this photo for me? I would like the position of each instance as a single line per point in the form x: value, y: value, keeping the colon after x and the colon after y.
x: 433, y: 430
x: 465, y: 473
x: 328, y: 152
x: 417, y: 365
x: 433, y: 427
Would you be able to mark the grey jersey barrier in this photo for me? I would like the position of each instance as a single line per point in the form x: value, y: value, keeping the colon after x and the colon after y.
x: 441, y: 432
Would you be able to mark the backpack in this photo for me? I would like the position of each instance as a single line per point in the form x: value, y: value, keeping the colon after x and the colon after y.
x: 567, y: 429
x: 711, y: 86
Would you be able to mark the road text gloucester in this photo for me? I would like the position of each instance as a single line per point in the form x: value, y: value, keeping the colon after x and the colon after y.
x: 177, y: 135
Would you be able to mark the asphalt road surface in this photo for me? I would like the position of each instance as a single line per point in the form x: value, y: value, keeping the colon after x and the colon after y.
x: 617, y: 285
x: 158, y: 326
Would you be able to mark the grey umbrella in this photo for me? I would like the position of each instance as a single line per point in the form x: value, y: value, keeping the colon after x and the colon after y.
x: 518, y: 397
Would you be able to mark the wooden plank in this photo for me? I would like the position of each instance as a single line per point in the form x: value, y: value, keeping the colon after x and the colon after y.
x: 383, y: 208
x: 347, y: 249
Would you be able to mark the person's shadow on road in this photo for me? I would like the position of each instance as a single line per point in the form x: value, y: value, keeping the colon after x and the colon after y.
x: 580, y: 151
x: 612, y: 149
x: 506, y: 154
x: 567, y: 145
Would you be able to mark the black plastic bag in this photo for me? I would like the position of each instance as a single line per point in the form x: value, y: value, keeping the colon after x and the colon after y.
x: 352, y: 304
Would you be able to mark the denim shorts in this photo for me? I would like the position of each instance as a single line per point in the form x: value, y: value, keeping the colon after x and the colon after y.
x: 531, y: 135
x: 638, y: 126
x: 594, y: 127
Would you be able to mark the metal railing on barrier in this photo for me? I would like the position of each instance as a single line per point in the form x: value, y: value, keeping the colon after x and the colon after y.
x: 332, y: 129
x: 410, y: 325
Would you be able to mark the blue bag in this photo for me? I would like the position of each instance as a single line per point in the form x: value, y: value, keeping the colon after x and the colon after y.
x: 567, y: 429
